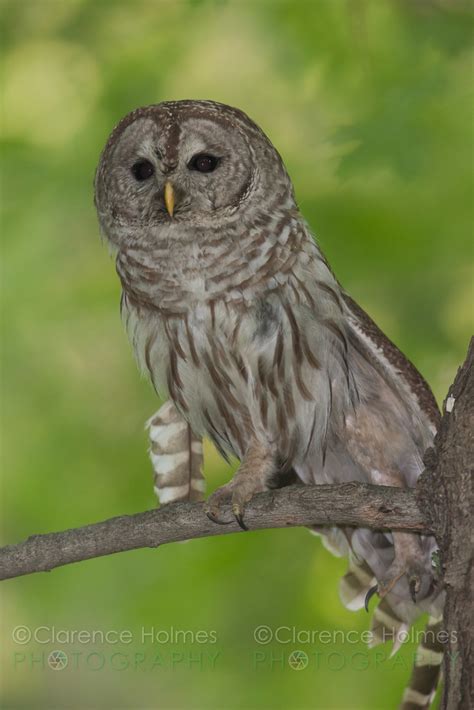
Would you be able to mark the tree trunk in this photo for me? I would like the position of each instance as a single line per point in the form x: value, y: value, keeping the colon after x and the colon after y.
x: 446, y: 498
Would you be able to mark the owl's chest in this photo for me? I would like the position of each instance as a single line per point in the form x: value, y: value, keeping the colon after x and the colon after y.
x: 182, y: 350
x: 220, y: 364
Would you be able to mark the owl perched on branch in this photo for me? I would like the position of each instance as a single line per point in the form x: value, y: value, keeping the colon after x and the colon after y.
x: 235, y: 314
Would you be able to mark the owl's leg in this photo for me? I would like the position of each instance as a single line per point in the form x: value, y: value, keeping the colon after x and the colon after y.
x: 409, y: 571
x: 176, y: 456
x: 408, y: 563
x: 253, y: 476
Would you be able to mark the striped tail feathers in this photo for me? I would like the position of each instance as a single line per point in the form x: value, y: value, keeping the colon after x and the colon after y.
x: 426, y: 672
x: 387, y: 626
x: 176, y: 456
x: 355, y: 584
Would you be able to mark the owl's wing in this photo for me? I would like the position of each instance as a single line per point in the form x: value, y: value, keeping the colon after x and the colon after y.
x: 385, y: 353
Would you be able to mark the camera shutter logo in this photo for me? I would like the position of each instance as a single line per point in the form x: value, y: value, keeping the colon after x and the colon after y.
x: 298, y: 660
x: 57, y: 660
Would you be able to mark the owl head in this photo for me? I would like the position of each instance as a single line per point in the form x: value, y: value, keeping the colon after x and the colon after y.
x: 186, y: 163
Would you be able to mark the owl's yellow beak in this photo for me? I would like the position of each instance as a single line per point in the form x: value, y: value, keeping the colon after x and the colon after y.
x: 169, y: 198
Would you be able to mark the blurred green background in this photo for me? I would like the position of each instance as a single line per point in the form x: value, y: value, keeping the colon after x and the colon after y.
x: 370, y: 104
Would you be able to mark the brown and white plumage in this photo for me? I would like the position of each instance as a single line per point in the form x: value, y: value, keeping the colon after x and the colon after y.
x: 176, y: 456
x: 235, y: 314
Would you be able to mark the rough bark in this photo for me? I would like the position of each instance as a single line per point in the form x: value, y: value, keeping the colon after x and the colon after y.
x: 445, y: 494
x: 356, y: 504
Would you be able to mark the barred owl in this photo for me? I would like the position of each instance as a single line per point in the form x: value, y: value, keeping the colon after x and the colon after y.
x: 236, y: 316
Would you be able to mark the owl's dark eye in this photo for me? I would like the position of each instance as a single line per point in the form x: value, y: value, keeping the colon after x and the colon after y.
x: 142, y: 170
x: 203, y: 163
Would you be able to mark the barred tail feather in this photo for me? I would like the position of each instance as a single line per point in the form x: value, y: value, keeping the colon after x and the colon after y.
x: 176, y: 456
x: 355, y: 584
x: 387, y: 626
x: 426, y: 673
x: 386, y: 622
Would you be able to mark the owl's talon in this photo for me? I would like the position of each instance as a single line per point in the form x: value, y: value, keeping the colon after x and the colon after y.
x: 251, y: 478
x: 238, y: 514
x: 373, y: 590
x: 241, y: 522
x: 414, y: 584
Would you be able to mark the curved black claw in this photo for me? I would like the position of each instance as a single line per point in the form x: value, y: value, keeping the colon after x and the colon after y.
x: 414, y: 586
x: 373, y: 590
x: 216, y: 520
x: 240, y: 520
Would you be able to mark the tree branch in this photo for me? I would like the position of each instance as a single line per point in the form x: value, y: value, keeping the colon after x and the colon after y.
x: 351, y: 504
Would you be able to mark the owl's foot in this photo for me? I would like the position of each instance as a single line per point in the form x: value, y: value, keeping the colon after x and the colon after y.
x: 386, y: 585
x: 235, y: 494
x: 414, y: 579
x: 251, y: 478
x: 407, y: 569
x: 220, y: 499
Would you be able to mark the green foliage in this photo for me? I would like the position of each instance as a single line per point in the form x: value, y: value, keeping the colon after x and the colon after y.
x: 369, y: 103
